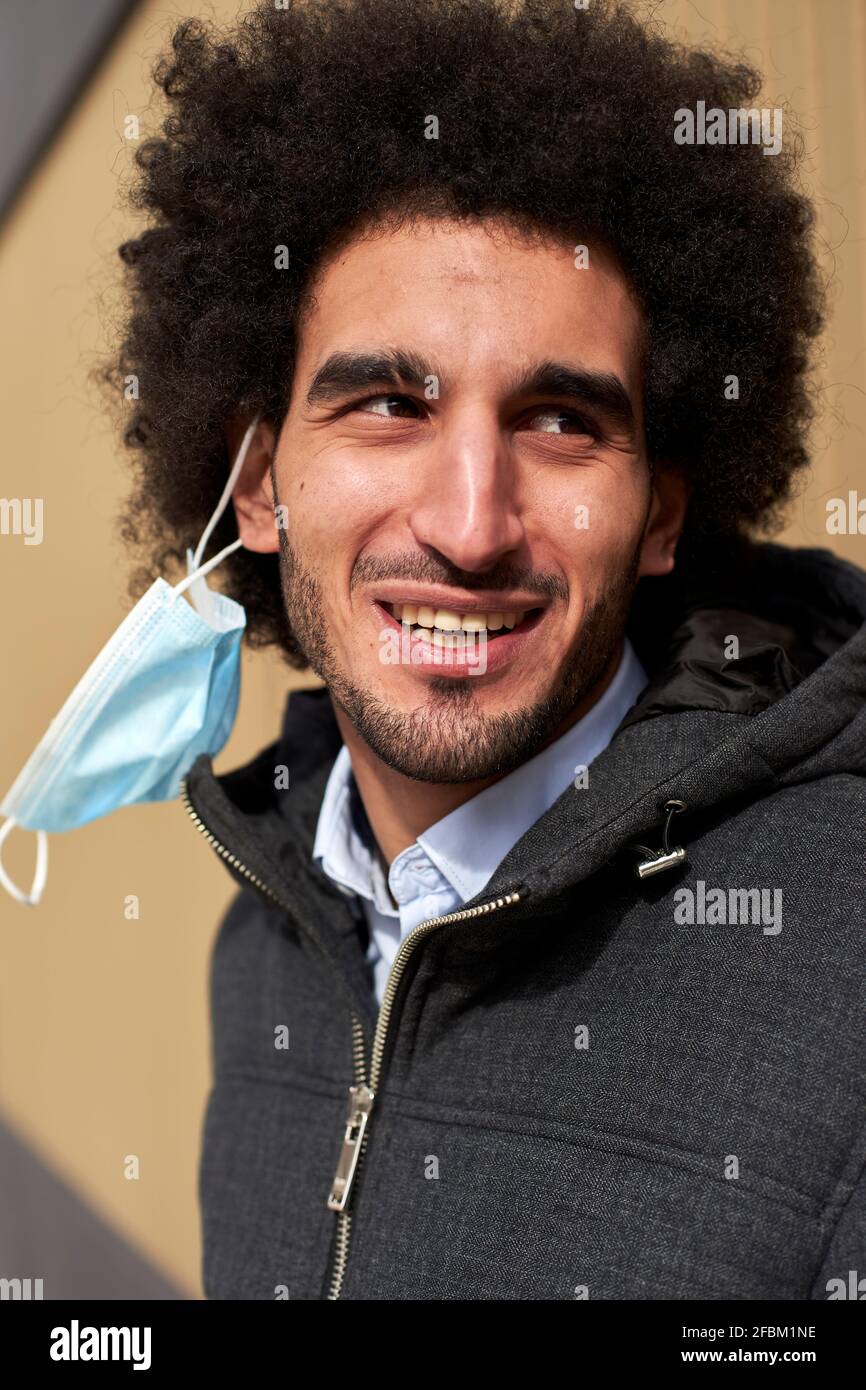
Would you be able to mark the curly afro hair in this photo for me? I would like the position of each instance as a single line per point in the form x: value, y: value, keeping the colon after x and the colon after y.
x: 305, y: 122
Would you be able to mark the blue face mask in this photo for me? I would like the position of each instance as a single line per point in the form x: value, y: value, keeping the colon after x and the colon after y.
x: 164, y: 689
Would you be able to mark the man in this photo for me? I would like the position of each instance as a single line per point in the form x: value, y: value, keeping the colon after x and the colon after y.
x: 545, y: 979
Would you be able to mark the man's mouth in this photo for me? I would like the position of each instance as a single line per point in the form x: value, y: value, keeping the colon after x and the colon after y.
x: 440, y: 625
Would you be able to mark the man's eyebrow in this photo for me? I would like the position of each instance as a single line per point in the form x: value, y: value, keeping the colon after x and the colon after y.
x: 602, y: 390
x: 345, y: 372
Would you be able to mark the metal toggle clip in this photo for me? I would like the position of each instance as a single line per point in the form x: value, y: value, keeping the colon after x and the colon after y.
x: 655, y: 861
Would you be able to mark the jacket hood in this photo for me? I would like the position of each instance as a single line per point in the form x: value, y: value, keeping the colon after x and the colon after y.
x: 717, y: 723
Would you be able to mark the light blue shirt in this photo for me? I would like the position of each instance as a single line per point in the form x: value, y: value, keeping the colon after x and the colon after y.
x: 453, y: 860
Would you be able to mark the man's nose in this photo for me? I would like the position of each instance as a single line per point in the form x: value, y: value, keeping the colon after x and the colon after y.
x: 465, y: 505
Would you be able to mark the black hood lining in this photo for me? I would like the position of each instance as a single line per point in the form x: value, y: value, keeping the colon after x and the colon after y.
x: 787, y: 618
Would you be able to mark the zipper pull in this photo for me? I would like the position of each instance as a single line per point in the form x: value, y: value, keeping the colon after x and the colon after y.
x: 357, y: 1114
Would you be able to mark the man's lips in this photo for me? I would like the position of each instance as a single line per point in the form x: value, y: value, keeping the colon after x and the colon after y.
x: 455, y: 600
x: 461, y: 653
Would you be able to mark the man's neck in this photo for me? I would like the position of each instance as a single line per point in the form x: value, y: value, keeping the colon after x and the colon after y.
x: 401, y: 808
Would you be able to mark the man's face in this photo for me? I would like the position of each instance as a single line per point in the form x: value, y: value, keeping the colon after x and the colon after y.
x: 464, y: 450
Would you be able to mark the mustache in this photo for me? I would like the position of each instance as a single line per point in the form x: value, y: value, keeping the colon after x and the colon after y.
x: 425, y: 569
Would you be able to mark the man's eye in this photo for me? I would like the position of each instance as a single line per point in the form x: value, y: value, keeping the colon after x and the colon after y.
x: 559, y: 421
x: 385, y: 405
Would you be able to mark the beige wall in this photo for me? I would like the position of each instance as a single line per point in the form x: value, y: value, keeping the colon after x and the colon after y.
x: 103, y: 1026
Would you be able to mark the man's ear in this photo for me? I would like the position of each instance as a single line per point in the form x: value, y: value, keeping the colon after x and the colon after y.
x: 671, y: 492
x: 253, y: 495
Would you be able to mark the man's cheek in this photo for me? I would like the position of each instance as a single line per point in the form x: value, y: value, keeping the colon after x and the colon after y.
x: 609, y: 538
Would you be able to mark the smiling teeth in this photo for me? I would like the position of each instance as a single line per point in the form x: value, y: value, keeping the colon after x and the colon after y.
x: 447, y: 620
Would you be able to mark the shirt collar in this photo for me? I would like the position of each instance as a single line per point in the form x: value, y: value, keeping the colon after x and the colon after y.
x: 338, y: 847
x: 468, y: 844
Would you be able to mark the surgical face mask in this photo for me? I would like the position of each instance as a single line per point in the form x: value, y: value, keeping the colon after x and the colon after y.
x: 163, y: 689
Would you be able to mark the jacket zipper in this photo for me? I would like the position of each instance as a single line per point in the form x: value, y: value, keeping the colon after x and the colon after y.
x: 363, y: 1092
x: 222, y: 851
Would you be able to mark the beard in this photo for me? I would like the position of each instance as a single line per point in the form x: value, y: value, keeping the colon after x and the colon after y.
x: 449, y: 738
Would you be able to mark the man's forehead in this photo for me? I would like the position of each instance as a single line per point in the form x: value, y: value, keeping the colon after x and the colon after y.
x: 458, y: 292
x: 475, y: 253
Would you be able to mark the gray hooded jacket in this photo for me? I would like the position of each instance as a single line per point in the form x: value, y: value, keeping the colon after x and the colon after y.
x: 586, y: 1083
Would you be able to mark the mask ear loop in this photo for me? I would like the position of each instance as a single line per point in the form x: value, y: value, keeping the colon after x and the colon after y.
x: 198, y: 569
x: 227, y: 490
x: 40, y: 874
